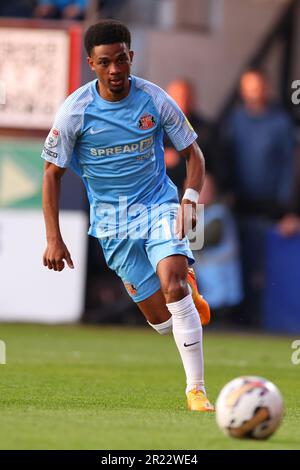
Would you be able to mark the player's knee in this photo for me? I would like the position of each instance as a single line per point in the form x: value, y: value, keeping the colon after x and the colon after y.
x: 175, y: 289
x: 163, y: 328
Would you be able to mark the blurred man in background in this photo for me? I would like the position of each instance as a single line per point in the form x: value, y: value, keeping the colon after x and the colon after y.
x: 261, y: 151
x: 111, y: 8
x: 261, y: 163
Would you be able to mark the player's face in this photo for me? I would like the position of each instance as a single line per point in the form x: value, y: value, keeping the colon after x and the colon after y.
x: 111, y: 63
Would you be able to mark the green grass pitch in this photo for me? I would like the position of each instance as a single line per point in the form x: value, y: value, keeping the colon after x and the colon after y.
x: 119, y: 388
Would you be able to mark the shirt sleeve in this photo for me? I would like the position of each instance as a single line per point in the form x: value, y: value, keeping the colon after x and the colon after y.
x: 176, y: 124
x: 60, y: 142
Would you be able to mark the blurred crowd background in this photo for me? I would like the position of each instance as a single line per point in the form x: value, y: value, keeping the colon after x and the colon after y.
x: 234, y: 68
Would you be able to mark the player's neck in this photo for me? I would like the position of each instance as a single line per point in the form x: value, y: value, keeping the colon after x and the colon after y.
x: 109, y: 95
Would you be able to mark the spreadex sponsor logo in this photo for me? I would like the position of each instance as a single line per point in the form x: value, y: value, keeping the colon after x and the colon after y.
x: 140, y: 146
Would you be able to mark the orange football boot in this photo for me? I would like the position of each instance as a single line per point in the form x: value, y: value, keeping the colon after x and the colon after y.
x: 198, y: 401
x: 200, y: 303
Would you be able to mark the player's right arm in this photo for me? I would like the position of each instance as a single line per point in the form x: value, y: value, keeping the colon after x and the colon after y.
x: 57, y: 153
x: 56, y: 251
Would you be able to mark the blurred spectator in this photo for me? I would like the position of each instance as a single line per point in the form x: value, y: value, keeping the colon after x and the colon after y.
x: 261, y: 152
x: 17, y: 8
x: 217, y: 265
x: 183, y: 93
x: 261, y: 162
x: 64, y: 9
x: 111, y: 8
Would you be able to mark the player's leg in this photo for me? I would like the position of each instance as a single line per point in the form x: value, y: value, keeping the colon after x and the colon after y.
x: 156, y: 312
x: 163, y: 243
x: 130, y: 261
x: 172, y: 272
x: 170, y: 258
x: 187, y: 328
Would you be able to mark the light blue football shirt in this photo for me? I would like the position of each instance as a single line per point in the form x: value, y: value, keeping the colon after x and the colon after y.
x: 117, y: 149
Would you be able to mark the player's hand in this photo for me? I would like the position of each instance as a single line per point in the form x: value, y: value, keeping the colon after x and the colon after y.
x: 55, y: 254
x: 186, y: 218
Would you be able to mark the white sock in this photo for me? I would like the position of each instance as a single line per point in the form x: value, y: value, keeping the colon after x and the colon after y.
x: 163, y: 328
x: 187, y: 331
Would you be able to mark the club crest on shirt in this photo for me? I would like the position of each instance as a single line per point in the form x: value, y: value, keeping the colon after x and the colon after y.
x: 130, y: 288
x: 146, y: 121
x: 52, y: 138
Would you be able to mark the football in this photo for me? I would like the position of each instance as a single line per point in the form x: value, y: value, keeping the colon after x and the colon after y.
x: 249, y: 407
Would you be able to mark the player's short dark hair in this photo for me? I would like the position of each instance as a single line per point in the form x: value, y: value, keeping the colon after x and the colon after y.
x: 106, y: 32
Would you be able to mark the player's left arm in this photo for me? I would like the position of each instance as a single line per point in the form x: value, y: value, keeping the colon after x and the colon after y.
x: 195, y: 166
x: 187, y: 216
